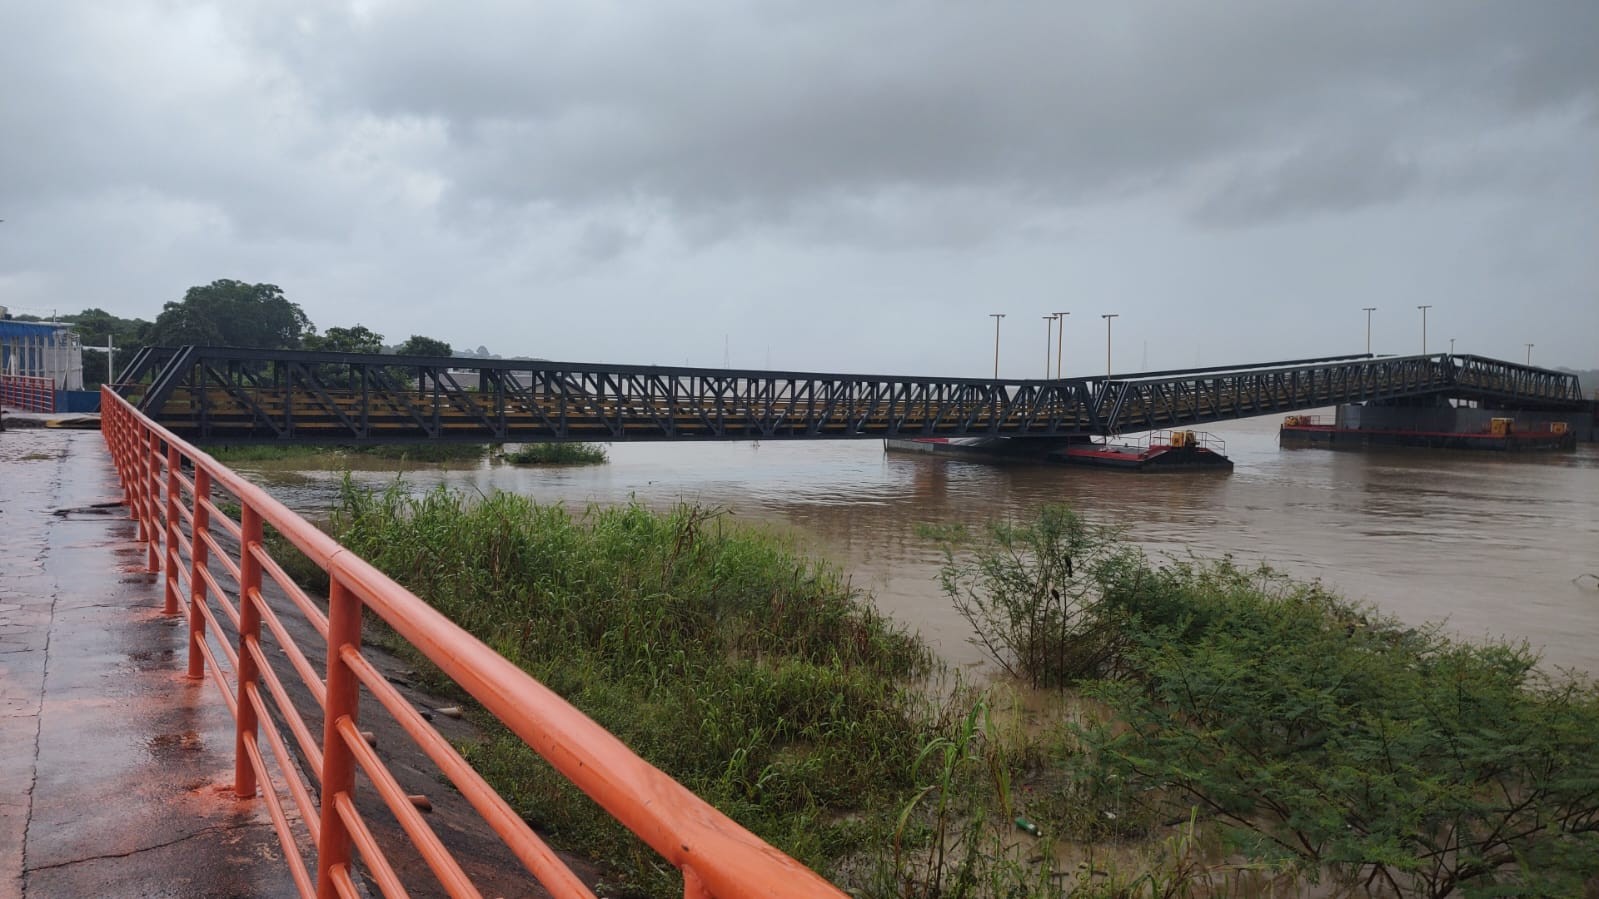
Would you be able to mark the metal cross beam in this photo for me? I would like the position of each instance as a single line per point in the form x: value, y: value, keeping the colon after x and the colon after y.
x: 224, y: 395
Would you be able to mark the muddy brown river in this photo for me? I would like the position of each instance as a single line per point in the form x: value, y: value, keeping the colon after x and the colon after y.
x: 1492, y: 545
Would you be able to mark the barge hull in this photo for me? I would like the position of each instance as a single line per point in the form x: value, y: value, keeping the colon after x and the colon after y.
x: 1330, y: 437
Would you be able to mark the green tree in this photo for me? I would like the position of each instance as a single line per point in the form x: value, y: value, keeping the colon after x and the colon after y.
x: 358, y: 339
x: 95, y: 327
x: 417, y: 345
x: 233, y: 313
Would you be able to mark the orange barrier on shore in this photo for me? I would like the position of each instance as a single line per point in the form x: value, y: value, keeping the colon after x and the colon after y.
x: 28, y: 394
x: 179, y: 520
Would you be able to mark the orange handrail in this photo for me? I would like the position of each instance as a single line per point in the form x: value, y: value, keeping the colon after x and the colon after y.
x: 26, y: 393
x: 176, y: 517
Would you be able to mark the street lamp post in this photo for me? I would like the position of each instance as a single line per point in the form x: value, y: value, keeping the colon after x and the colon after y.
x: 1107, y: 319
x: 1049, y: 341
x: 1369, y: 310
x: 1060, y: 345
x: 1451, y: 346
x: 996, y: 316
x: 1529, y: 354
x: 1424, y: 327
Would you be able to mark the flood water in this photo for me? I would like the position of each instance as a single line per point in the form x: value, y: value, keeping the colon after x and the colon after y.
x: 1492, y: 545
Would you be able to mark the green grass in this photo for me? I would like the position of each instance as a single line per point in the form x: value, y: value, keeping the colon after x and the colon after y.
x: 759, y: 679
x: 558, y: 454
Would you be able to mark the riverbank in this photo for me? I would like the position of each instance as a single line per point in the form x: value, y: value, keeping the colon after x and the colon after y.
x: 761, y: 681
x: 1423, y: 536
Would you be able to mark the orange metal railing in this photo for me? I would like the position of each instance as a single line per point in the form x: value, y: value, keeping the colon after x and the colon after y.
x: 28, y: 394
x: 193, y: 543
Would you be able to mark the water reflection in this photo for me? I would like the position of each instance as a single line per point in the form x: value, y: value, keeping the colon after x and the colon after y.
x: 1493, y: 544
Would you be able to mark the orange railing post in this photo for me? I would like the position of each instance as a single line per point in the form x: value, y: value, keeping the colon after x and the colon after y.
x: 133, y: 468
x: 115, y: 426
x: 249, y: 632
x: 199, y: 560
x: 133, y: 451
x: 169, y: 602
x: 693, y: 887
x: 338, y: 763
x: 141, y: 446
x: 152, y: 490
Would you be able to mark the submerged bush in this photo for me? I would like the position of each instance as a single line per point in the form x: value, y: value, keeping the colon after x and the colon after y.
x: 557, y: 454
x: 1043, y: 597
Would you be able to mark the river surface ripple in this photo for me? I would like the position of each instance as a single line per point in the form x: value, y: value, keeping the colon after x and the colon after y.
x: 1492, y: 545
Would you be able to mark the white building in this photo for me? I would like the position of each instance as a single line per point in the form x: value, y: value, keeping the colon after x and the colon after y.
x: 41, y: 350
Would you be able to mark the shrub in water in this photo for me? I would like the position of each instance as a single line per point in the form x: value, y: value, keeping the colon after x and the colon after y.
x: 1041, y: 597
x: 557, y: 454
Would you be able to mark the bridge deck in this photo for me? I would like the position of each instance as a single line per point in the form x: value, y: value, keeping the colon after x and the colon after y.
x: 242, y: 396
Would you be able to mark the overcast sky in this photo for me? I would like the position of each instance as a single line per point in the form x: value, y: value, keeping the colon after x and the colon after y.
x: 825, y: 186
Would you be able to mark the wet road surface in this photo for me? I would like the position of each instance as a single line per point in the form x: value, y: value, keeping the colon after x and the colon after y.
x: 115, y: 769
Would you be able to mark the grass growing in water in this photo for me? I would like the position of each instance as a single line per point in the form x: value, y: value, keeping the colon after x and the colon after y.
x: 558, y: 454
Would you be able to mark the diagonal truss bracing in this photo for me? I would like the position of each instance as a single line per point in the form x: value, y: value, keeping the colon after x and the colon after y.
x: 223, y: 395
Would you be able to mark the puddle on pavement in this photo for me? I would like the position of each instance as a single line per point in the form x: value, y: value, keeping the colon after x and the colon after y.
x: 152, y: 659
x: 171, y: 745
x: 93, y: 510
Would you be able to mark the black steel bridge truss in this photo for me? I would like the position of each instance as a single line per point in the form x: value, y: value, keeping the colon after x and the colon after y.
x: 227, y: 395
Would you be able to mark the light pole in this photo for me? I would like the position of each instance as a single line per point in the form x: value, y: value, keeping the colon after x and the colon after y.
x: 996, y: 316
x: 1529, y: 354
x: 1369, y: 310
x: 1049, y: 341
x: 1451, y: 346
x: 1424, y: 327
x: 1060, y: 345
x: 1107, y: 319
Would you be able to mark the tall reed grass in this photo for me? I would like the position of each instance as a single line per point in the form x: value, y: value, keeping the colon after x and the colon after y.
x: 758, y: 678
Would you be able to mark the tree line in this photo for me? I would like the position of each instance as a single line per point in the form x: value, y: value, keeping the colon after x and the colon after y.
x: 230, y: 313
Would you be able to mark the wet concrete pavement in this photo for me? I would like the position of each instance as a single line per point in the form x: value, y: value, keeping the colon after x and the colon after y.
x: 114, y: 767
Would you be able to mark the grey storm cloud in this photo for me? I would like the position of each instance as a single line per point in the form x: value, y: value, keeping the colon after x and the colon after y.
x: 1324, y: 177
x: 763, y: 111
x: 1233, y: 176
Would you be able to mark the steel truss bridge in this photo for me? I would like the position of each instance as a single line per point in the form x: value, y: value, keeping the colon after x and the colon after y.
x: 216, y: 395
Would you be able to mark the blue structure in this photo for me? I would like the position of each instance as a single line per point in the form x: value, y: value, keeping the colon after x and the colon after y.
x: 42, y: 350
x: 42, y: 357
